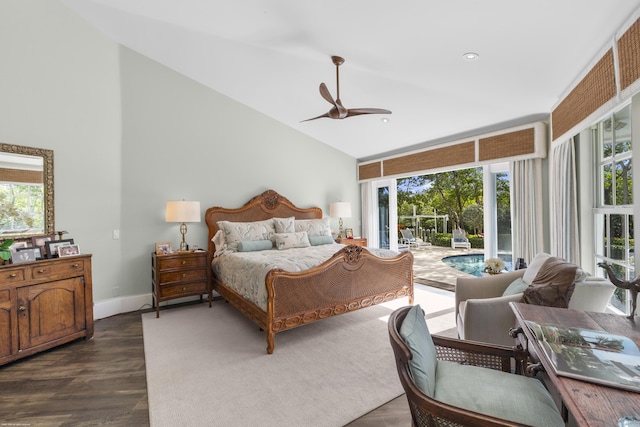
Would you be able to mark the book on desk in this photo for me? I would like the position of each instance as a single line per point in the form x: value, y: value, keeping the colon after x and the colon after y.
x: 590, y: 355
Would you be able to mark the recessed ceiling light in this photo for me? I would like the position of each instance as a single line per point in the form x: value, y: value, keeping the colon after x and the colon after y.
x: 384, y: 120
x: 471, y: 56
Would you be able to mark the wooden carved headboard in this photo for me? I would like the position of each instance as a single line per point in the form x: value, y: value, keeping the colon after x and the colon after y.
x: 264, y: 206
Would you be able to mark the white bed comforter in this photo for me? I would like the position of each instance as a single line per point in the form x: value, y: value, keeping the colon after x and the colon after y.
x: 245, y: 272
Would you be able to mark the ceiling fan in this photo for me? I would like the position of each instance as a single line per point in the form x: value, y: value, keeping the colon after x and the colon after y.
x: 338, y: 111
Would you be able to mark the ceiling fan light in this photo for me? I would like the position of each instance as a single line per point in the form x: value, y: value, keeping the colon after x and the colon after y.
x: 471, y: 56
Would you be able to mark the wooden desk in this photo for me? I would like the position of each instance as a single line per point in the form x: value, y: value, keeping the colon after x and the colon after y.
x: 589, y: 404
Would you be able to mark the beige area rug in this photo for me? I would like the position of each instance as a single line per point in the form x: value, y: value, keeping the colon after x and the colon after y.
x: 209, y: 367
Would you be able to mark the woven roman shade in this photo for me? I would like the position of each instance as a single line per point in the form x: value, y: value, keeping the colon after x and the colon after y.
x: 596, y: 88
x: 20, y: 176
x: 431, y: 159
x: 370, y: 171
x: 507, y: 145
x: 629, y: 56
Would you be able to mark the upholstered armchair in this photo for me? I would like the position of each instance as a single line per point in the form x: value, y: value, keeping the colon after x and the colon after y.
x: 482, y: 303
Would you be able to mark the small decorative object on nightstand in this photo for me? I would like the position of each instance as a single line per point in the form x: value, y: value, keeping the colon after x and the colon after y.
x: 180, y: 274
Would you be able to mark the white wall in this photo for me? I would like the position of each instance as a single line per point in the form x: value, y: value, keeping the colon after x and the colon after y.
x: 129, y: 134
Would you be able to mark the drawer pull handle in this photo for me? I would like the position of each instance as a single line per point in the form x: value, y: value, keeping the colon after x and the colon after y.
x: 184, y: 289
x: 12, y: 275
x: 184, y: 262
x: 76, y: 265
x: 184, y: 275
x: 42, y: 271
x: 22, y: 308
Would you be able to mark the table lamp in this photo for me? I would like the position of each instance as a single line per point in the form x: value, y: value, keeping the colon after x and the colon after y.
x: 183, y: 212
x: 340, y: 210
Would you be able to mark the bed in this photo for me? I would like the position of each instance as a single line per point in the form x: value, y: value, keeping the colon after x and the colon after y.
x: 352, y: 278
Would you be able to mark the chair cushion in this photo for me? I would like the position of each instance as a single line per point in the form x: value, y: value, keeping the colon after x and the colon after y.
x: 553, y: 285
x: 518, y: 286
x: 415, y: 333
x: 500, y: 394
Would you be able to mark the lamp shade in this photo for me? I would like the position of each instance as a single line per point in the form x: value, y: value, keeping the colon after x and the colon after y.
x: 182, y: 211
x: 340, y: 210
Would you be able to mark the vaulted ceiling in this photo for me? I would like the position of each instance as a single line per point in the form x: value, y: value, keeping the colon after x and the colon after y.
x: 404, y: 56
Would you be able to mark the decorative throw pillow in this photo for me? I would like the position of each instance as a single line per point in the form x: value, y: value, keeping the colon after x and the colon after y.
x: 314, y: 227
x: 415, y: 333
x: 518, y: 286
x: 292, y: 240
x: 235, y: 232
x: 254, y: 245
x: 321, y: 240
x: 553, y: 285
x: 285, y: 225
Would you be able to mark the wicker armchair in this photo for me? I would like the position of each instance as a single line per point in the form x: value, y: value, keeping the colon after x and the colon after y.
x: 427, y: 411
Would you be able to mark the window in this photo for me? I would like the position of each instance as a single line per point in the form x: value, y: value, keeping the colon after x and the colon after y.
x: 614, y: 223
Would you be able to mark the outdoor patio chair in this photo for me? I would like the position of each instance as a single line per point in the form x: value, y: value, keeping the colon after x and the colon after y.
x: 409, y: 239
x: 459, y: 239
x: 449, y: 382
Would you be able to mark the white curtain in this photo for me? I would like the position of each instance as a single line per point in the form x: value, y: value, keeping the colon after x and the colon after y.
x: 565, y: 239
x: 527, y: 216
x: 368, y: 211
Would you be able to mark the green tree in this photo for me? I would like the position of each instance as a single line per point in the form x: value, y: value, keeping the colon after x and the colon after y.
x: 473, y: 217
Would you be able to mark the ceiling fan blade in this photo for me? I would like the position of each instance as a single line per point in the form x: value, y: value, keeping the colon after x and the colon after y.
x: 360, y: 111
x: 326, y: 94
x: 319, y: 117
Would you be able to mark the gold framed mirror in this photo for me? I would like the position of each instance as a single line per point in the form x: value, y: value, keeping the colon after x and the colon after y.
x: 26, y: 192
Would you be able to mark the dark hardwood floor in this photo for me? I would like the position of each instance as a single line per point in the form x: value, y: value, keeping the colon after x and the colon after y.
x: 102, y: 381
x: 84, y: 383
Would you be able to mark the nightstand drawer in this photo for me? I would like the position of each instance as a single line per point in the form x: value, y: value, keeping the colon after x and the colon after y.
x: 180, y: 262
x: 193, y: 288
x: 183, y: 275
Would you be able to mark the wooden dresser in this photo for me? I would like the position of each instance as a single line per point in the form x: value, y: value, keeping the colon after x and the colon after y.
x: 180, y: 274
x: 44, y: 304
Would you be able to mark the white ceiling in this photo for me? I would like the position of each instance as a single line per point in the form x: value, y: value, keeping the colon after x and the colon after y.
x: 405, y: 56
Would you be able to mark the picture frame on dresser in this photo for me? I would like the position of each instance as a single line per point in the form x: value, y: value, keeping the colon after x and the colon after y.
x: 68, y: 250
x: 348, y: 232
x: 39, y: 242
x: 24, y: 255
x: 53, y: 245
x: 37, y: 251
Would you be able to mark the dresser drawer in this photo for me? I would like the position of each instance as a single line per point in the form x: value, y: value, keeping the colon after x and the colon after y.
x: 46, y: 270
x: 193, y: 288
x: 183, y: 275
x: 13, y: 275
x: 169, y: 262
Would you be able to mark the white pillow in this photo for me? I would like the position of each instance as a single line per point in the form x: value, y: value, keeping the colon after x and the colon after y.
x: 219, y: 241
x: 284, y: 225
x: 532, y: 270
x: 314, y: 227
x: 292, y: 240
x: 235, y: 232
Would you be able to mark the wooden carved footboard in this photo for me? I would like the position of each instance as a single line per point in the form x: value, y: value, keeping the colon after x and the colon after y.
x: 353, y: 278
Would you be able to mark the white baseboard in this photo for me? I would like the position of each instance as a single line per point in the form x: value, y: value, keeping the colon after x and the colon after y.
x: 113, y: 306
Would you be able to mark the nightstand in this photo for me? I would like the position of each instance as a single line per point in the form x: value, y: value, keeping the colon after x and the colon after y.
x: 360, y: 242
x: 180, y: 274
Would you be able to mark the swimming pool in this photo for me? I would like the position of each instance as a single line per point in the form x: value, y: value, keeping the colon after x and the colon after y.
x: 474, y: 263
